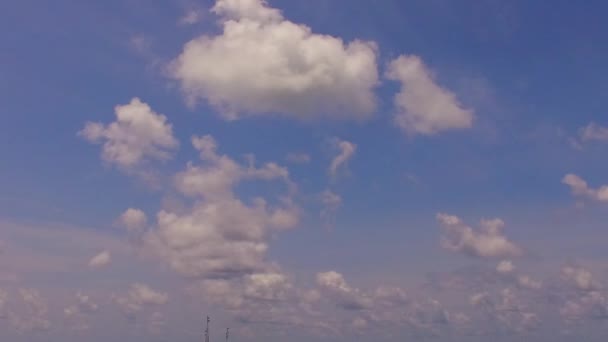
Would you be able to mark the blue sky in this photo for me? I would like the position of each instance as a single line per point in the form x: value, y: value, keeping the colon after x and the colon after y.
x: 326, y: 169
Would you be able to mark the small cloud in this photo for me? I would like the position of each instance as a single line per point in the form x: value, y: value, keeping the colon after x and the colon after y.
x: 424, y: 107
x: 505, y: 267
x: 345, y: 296
x: 191, y: 17
x: 133, y: 220
x: 487, y: 242
x: 587, y: 134
x: 529, y: 283
x: 411, y: 178
x: 100, y: 260
x: 137, y: 135
x: 580, y: 277
x: 593, y: 132
x: 140, y: 296
x: 580, y: 188
x: 346, y: 150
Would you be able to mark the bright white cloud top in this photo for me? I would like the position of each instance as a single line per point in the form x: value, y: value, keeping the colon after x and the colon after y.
x: 137, y: 134
x: 264, y: 64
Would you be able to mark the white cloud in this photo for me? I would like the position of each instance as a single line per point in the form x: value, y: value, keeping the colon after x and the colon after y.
x: 34, y: 314
x: 488, y: 242
x: 77, y: 315
x: 505, y: 267
x: 226, y: 293
x: 140, y: 296
x: 424, y: 107
x: 591, y: 305
x: 220, y: 235
x: 85, y: 303
x: 137, y: 134
x: 331, y: 202
x: 267, y: 286
x: 100, y: 260
x: 593, y: 132
x: 346, y: 150
x: 580, y: 277
x: 133, y: 220
x: 264, y: 64
x: 529, y: 283
x: 346, y: 297
x: 145, y: 295
x: 580, y: 188
x: 480, y: 298
x: 192, y: 16
x: 390, y: 295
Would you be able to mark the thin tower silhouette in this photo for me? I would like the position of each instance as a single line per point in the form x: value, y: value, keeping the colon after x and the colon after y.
x: 227, y: 331
x: 207, y: 330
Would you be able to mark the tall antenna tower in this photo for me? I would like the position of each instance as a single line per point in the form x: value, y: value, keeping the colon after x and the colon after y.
x: 227, y: 331
x: 207, y: 330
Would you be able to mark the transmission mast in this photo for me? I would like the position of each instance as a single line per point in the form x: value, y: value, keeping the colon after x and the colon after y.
x: 227, y: 331
x: 207, y: 330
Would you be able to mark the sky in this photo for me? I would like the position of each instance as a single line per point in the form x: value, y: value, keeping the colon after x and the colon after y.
x: 332, y: 170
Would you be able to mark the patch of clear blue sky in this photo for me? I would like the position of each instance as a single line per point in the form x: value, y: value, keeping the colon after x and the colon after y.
x: 529, y: 69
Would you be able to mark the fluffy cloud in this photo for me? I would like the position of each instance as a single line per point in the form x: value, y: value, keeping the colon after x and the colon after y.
x: 143, y: 294
x: 580, y: 277
x: 346, y: 297
x: 424, y: 107
x: 137, y: 134
x: 77, y: 315
x: 133, y: 220
x: 267, y: 286
x: 346, y: 150
x: 220, y: 235
x: 488, y: 242
x: 100, y: 260
x: 265, y: 64
x: 505, y: 267
x: 33, y: 314
x: 580, y: 188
